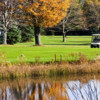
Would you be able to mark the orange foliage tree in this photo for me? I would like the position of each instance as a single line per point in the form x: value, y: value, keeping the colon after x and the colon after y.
x: 43, y: 13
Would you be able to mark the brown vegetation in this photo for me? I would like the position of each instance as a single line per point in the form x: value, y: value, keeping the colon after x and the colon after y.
x: 83, y: 66
x: 51, y: 69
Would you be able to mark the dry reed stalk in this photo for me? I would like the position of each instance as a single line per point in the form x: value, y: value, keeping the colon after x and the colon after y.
x: 56, y: 68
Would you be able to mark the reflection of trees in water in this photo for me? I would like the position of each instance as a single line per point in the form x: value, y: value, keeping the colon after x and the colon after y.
x: 3, y: 94
x: 72, y: 90
x: 39, y: 91
x: 14, y: 92
x: 17, y: 92
x: 55, y: 91
x: 47, y: 91
x: 36, y: 92
x: 32, y: 97
x: 79, y: 91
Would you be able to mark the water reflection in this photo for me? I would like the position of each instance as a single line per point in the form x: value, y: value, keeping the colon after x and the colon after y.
x: 50, y: 90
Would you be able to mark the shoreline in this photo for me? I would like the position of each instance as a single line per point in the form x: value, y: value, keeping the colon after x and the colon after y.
x: 13, y: 71
x: 81, y: 78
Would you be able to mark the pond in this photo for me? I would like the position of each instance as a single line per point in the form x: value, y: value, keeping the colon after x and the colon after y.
x: 60, y: 88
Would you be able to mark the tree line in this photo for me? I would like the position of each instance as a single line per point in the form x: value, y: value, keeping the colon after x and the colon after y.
x: 82, y: 15
x: 30, y: 16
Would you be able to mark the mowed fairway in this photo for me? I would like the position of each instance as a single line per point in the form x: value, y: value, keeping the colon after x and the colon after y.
x: 51, y: 45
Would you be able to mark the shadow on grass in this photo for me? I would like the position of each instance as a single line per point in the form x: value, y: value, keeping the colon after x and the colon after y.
x: 69, y: 44
x: 80, y: 41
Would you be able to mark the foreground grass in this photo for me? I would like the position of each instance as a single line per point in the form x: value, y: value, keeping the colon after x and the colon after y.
x: 51, y: 45
x: 50, y: 70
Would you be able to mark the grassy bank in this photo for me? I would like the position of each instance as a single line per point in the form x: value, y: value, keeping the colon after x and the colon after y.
x: 51, y: 45
x: 50, y: 70
x: 53, y: 58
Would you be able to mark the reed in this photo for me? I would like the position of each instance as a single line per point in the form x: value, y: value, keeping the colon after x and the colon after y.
x: 51, y: 69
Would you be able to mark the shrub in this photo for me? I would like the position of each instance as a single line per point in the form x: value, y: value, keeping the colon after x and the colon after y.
x: 13, y: 36
x: 27, y: 33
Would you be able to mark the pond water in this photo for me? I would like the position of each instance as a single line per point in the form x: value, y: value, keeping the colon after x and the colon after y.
x: 67, y: 88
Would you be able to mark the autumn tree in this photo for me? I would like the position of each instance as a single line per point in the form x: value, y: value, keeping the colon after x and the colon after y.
x: 6, y: 12
x: 75, y: 19
x: 43, y: 13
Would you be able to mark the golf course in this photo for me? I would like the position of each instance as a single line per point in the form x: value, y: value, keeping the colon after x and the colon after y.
x: 51, y: 46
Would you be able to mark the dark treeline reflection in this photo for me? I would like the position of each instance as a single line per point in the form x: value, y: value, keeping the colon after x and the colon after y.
x: 50, y: 90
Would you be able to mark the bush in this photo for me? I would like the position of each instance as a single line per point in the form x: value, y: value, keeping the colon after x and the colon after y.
x: 27, y: 33
x: 13, y: 36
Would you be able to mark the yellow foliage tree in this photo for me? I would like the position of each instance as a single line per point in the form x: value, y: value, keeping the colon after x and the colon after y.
x: 43, y: 13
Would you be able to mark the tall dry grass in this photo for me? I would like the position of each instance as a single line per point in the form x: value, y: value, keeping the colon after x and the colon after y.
x: 56, y: 69
x: 51, y: 69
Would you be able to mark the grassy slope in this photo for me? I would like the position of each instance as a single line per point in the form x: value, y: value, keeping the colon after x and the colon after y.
x: 51, y: 45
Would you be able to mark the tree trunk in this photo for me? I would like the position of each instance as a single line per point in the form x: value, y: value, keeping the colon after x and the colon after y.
x: 64, y: 37
x: 5, y: 38
x: 64, y: 33
x: 37, y: 35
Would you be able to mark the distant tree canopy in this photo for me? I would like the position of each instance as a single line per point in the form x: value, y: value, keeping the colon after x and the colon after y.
x: 43, y: 13
x: 82, y: 15
x: 91, y: 11
x: 73, y: 21
x: 55, y: 15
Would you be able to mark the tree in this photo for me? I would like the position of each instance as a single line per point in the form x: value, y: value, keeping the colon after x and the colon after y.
x: 6, y: 12
x: 75, y: 19
x: 43, y: 13
x: 91, y: 10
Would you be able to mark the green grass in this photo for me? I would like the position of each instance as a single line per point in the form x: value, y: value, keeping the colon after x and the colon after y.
x: 51, y: 45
